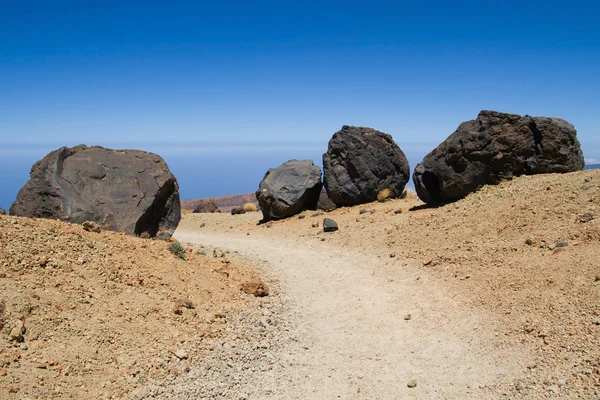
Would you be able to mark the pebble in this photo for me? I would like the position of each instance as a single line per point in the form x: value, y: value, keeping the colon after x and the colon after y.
x: 181, y: 354
x: 412, y: 383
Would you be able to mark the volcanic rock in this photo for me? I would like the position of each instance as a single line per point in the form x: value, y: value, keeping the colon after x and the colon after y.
x: 206, y: 206
x: 329, y: 225
x: 496, y: 147
x: 122, y: 190
x: 325, y: 202
x: 359, y: 163
x: 289, y: 189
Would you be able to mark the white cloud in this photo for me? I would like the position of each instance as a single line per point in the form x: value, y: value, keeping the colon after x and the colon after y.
x: 592, y: 161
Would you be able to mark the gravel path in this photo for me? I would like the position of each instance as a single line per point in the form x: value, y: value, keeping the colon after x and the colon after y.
x: 346, y: 325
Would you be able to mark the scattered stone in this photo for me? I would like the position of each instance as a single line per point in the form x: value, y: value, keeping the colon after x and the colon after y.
x: 91, y: 226
x: 392, y: 255
x: 329, y: 225
x: 596, y: 321
x: 359, y: 163
x: 2, y: 211
x: 397, y: 211
x: 493, y: 148
x: 289, y: 189
x: 519, y: 386
x: 181, y: 354
x: 562, y: 243
x: 587, y: 217
x: 362, y: 211
x: 412, y: 384
x: 17, y: 332
x: 315, y: 224
x: 407, y: 317
x: 301, y: 216
x: 256, y: 288
x: 428, y: 261
x: 202, y: 225
x: 317, y: 214
x: 124, y: 190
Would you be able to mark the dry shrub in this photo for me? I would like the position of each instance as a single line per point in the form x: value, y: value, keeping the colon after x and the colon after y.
x: 384, y: 195
x: 249, y: 207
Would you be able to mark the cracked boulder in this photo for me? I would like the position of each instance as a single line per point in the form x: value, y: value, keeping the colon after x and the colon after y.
x: 287, y: 190
x: 496, y: 147
x: 359, y: 163
x: 122, y: 190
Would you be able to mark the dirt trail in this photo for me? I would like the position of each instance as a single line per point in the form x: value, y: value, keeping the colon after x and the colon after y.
x: 360, y: 343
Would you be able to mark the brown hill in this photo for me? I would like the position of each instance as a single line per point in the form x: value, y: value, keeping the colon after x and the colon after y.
x: 91, y: 315
x: 224, y: 203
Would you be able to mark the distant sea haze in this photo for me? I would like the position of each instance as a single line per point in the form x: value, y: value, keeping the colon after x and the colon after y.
x: 202, y: 169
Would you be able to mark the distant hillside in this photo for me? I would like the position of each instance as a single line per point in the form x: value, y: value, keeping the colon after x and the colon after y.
x: 224, y: 203
x: 592, y: 166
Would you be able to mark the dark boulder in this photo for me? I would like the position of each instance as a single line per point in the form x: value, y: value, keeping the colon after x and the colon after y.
x: 289, y: 189
x: 325, y: 202
x: 2, y: 211
x: 206, y: 206
x: 329, y: 225
x: 492, y: 148
x: 359, y: 163
x: 122, y: 190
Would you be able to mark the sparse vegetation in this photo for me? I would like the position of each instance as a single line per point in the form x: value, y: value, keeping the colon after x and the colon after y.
x: 384, y: 195
x: 238, y: 210
x: 249, y: 207
x: 177, y: 249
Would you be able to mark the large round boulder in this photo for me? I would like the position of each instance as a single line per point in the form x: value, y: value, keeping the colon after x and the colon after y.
x: 492, y: 148
x: 359, y: 163
x: 288, y: 189
x: 122, y: 190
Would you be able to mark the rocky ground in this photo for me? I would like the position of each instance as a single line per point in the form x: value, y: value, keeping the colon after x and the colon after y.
x: 494, y: 296
x: 104, y: 315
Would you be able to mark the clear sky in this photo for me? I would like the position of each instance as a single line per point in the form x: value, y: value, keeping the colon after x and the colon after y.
x: 184, y: 79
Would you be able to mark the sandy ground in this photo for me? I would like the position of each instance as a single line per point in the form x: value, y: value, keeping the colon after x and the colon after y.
x: 501, y: 288
x: 495, y: 296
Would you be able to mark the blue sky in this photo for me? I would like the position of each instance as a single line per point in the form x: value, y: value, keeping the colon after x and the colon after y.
x: 185, y: 79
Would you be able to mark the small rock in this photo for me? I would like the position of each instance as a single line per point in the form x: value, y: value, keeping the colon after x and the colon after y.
x: 202, y: 225
x: 362, y: 211
x: 2, y: 370
x: 554, y: 389
x: 316, y: 214
x: 398, y: 212
x: 315, y: 224
x: 596, y: 321
x: 587, y: 217
x: 428, y: 261
x: 392, y: 255
x: 16, y: 333
x: 91, y: 226
x: 562, y: 243
x: 301, y: 216
x: 181, y: 354
x: 407, y: 317
x: 2, y: 211
x: 412, y: 383
x: 551, y: 246
x: 519, y: 386
x: 329, y: 225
